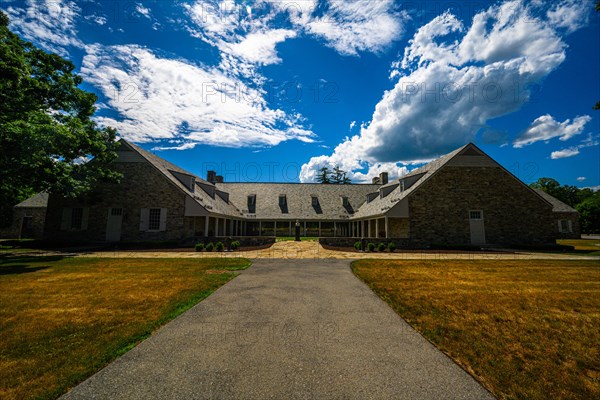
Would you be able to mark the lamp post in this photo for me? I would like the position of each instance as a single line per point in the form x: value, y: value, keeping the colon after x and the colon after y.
x: 297, y: 231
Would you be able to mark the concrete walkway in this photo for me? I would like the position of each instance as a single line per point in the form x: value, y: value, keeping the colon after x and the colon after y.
x: 312, y: 250
x: 285, y: 329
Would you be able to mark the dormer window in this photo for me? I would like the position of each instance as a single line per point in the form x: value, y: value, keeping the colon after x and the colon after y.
x: 282, y: 200
x: 345, y: 201
x: 252, y: 203
x: 315, y: 201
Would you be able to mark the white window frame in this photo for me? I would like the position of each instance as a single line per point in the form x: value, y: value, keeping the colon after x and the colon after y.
x: 145, y: 219
x: 565, y: 229
x: 475, y: 218
x: 156, y: 219
x: 66, y: 223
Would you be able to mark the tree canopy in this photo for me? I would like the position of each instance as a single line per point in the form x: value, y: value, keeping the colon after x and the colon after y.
x: 48, y: 139
x: 337, y: 176
x: 585, y: 201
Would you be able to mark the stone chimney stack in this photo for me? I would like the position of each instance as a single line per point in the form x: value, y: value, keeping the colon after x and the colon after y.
x: 218, y: 179
x: 375, y: 180
x: 383, y: 178
x: 211, y: 176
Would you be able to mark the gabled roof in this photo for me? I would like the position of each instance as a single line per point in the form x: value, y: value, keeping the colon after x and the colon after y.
x: 212, y: 203
x: 39, y: 200
x: 298, y: 199
x: 380, y: 206
x: 557, y: 205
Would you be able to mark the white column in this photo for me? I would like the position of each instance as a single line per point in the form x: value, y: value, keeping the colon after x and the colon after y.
x: 377, y: 227
x: 206, y: 226
x: 386, y: 227
x: 290, y: 234
x: 334, y: 229
x: 304, y: 228
x: 231, y: 228
x: 259, y: 228
x: 369, y: 228
x: 319, y: 228
x: 274, y: 228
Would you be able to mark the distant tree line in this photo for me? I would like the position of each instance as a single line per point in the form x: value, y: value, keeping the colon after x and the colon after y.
x: 585, y: 201
x: 336, y: 177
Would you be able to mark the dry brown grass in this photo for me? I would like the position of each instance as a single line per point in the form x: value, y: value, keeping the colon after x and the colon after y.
x: 524, y: 329
x: 588, y: 245
x: 63, y: 319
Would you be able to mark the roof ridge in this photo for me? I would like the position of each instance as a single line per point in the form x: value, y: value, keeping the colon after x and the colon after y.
x: 154, y: 159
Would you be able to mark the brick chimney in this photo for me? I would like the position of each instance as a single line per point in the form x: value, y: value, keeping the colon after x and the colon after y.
x: 383, y: 178
x: 211, y: 176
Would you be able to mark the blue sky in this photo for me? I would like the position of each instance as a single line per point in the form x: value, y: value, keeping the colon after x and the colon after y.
x: 272, y: 91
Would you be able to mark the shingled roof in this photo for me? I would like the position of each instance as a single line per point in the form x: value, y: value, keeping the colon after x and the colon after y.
x: 203, y: 191
x: 557, y: 205
x: 379, y: 206
x: 39, y: 200
x: 298, y: 198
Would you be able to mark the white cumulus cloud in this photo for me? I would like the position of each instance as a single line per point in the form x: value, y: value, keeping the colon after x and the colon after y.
x: 49, y: 23
x: 451, y: 81
x: 590, y: 141
x: 160, y: 98
x: 546, y: 127
x: 564, y: 153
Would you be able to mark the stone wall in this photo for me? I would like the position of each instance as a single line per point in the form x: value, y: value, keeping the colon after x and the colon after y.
x: 142, y: 186
x: 513, y: 214
x: 38, y: 217
x: 569, y: 216
x: 399, y: 227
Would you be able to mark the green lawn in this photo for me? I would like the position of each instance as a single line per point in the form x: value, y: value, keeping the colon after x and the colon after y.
x: 62, y: 319
x: 524, y: 329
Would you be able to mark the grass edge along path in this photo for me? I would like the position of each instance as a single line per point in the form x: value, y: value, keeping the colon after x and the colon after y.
x: 525, y: 329
x: 63, y: 319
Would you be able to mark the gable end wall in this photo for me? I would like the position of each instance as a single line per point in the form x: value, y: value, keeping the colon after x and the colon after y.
x: 439, y: 210
x: 142, y: 186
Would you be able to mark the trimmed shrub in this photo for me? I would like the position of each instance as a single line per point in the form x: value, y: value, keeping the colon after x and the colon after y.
x: 381, y: 247
x: 357, y: 245
x: 219, y: 246
x: 234, y: 245
x: 210, y: 247
x: 391, y: 247
x: 200, y: 247
x: 371, y: 246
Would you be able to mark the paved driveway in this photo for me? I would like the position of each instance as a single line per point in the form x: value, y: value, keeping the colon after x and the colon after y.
x: 313, y: 250
x: 285, y: 329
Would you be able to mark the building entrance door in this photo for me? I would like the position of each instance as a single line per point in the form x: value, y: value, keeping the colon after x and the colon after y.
x: 113, y: 224
x: 477, y: 227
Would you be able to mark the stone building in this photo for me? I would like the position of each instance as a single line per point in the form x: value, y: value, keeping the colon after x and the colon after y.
x: 28, y: 219
x: 462, y: 198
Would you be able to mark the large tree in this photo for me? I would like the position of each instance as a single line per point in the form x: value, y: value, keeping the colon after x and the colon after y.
x: 48, y: 140
x: 589, y: 213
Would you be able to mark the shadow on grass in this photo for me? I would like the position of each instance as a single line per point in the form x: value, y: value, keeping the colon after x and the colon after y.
x: 17, y: 269
x: 10, y: 260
